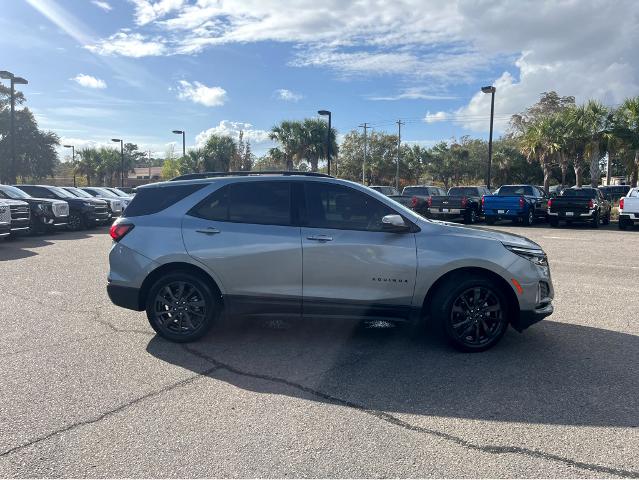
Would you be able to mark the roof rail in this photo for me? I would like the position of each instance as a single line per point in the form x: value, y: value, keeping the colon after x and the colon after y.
x: 246, y: 173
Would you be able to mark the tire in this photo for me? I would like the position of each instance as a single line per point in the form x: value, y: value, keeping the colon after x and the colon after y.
x: 596, y: 220
x: 181, y: 307
x: 471, y: 217
x: 623, y: 225
x: 490, y: 220
x: 76, y: 222
x: 529, y: 219
x: 471, y: 322
x: 37, y: 227
x: 606, y: 219
x: 554, y: 222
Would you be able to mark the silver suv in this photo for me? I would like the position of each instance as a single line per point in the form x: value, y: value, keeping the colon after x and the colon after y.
x: 314, y: 246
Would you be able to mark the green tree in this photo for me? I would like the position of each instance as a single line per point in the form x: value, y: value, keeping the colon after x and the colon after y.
x: 170, y: 167
x: 219, y: 152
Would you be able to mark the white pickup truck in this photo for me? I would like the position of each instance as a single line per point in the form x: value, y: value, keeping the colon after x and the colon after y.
x: 629, y: 209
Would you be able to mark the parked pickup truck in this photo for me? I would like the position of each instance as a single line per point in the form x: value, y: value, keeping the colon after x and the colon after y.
x: 579, y: 205
x: 420, y: 195
x: 385, y: 190
x: 46, y: 214
x: 5, y: 219
x: 525, y: 203
x: 629, y: 209
x: 461, y: 202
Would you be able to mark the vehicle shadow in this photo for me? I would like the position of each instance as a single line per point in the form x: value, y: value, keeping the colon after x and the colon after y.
x: 554, y: 373
x: 17, y: 248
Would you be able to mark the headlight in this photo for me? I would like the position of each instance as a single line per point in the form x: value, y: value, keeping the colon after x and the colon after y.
x: 535, y: 255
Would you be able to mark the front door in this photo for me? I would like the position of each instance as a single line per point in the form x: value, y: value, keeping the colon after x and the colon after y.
x: 352, y: 267
x: 244, y: 234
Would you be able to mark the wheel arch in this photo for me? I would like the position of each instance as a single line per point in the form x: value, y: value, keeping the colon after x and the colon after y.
x: 461, y: 272
x: 173, y: 267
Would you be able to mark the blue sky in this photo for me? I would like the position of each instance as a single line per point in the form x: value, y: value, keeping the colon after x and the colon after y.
x: 138, y: 69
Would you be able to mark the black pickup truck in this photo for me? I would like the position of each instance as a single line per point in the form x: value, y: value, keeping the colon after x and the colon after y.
x: 579, y: 205
x: 420, y: 195
x: 461, y: 202
x: 46, y: 214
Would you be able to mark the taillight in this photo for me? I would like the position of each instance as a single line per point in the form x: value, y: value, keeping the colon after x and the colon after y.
x: 464, y: 202
x: 119, y: 230
x: 413, y: 202
x: 430, y: 201
x: 522, y: 202
x: 550, y: 203
x: 483, y: 200
x: 591, y: 204
x: 621, y: 203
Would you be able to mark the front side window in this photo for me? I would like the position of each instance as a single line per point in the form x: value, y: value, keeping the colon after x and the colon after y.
x: 343, y: 208
x: 266, y: 203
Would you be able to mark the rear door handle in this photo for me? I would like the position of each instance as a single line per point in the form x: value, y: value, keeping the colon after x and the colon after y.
x: 320, y: 238
x: 208, y: 231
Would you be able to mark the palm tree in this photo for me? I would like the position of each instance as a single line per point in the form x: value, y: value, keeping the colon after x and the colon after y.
x: 595, y: 116
x: 628, y: 132
x: 541, y: 141
x: 289, y: 135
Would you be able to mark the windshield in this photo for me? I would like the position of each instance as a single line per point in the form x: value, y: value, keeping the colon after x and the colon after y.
x: 14, y: 193
x: 61, y: 192
x: 580, y: 192
x: 118, y: 192
x: 103, y: 192
x: 78, y: 193
x: 462, y: 191
x: 515, y: 190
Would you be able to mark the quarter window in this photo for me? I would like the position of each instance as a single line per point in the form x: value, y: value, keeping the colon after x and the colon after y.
x: 343, y: 208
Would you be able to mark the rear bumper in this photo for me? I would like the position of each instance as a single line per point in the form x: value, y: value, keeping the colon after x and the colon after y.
x: 125, y: 297
x: 629, y: 217
x: 563, y: 215
x: 530, y: 317
x: 451, y: 213
x: 504, y: 213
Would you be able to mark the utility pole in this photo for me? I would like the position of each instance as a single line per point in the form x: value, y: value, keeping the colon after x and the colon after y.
x: 149, y: 162
x: 365, y: 127
x: 399, y: 144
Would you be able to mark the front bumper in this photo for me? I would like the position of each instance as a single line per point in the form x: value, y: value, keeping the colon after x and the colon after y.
x: 22, y: 225
x: 530, y: 317
x: 5, y: 229
x: 125, y: 297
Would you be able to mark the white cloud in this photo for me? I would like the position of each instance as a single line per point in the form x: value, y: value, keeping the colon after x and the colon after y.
x: 199, y: 93
x: 287, y: 95
x: 89, y: 81
x: 232, y: 129
x: 102, y: 4
x: 413, y: 93
x: 436, y: 117
x: 147, y: 11
x: 128, y: 45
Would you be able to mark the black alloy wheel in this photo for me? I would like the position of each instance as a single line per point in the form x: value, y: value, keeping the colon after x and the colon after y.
x: 181, y: 307
x: 76, y: 222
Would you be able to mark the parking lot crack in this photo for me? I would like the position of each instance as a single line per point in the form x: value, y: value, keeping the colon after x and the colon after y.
x: 398, y: 422
x: 109, y: 413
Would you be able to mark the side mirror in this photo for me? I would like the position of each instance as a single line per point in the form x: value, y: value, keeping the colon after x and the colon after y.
x: 394, y: 223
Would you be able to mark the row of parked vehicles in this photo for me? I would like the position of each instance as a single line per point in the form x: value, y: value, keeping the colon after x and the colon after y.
x: 38, y: 209
x: 524, y: 204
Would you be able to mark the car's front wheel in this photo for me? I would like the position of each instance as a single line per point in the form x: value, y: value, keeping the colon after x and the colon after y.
x: 76, y: 222
x: 472, y: 313
x: 181, y: 307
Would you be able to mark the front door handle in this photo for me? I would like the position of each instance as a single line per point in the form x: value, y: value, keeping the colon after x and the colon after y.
x: 320, y: 238
x: 208, y: 230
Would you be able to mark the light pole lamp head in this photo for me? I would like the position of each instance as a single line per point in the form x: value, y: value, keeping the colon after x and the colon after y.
x: 324, y: 112
x: 178, y: 132
x: 67, y: 146
x: 489, y: 89
x: 20, y: 81
x: 116, y: 140
x: 6, y: 75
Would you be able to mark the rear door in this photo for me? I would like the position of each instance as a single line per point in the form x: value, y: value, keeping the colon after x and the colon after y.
x: 244, y: 232
x: 351, y: 266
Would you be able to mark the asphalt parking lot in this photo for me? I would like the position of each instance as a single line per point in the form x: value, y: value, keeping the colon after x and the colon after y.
x: 88, y: 390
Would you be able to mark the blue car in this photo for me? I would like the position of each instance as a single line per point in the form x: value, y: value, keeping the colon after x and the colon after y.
x: 519, y: 203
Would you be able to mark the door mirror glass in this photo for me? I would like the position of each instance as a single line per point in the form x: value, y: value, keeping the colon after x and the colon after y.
x: 394, y: 223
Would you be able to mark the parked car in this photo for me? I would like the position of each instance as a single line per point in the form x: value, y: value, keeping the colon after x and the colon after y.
x: 45, y: 214
x: 519, y: 203
x: 78, y: 192
x: 115, y: 203
x: 5, y: 220
x: 119, y: 192
x: 20, y: 214
x: 629, y: 209
x: 315, y: 246
x: 585, y: 204
x: 614, y: 193
x: 83, y: 212
x: 420, y: 194
x: 460, y: 203
x: 385, y: 190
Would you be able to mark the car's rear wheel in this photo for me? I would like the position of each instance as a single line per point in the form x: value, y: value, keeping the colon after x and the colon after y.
x: 472, y: 313
x: 554, y: 222
x: 596, y: 220
x: 529, y: 219
x: 471, y: 216
x: 490, y: 220
x: 606, y: 219
x: 181, y: 307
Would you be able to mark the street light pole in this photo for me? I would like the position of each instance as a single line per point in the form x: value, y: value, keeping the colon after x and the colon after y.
x: 121, y: 160
x: 491, y: 90
x: 72, y: 147
x: 399, y: 144
x: 328, y: 138
x: 12, y: 139
x: 365, y: 127
x: 182, y: 132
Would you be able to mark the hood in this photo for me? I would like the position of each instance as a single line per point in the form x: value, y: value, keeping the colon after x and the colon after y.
x: 35, y: 200
x: 485, y: 233
x: 10, y: 201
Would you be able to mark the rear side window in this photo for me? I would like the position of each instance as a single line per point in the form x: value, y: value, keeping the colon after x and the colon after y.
x: 153, y: 200
x: 265, y: 203
x: 516, y: 190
